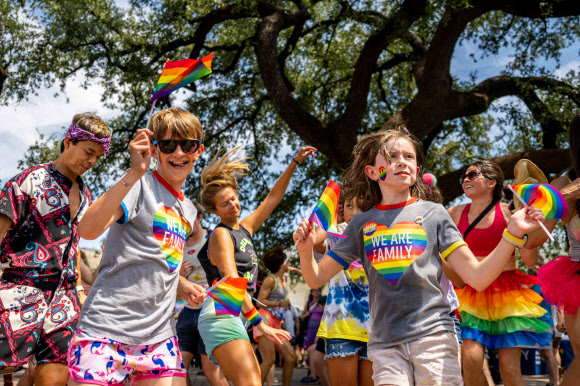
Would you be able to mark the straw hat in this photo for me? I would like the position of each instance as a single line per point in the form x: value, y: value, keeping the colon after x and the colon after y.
x: 526, y: 172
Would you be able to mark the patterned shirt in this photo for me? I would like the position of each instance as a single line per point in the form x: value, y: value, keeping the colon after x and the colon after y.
x: 42, y: 245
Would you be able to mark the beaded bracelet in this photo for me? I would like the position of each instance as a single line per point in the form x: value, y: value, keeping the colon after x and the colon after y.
x: 253, y: 317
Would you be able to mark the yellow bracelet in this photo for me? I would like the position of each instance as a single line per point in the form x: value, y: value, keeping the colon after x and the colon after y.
x: 513, y: 239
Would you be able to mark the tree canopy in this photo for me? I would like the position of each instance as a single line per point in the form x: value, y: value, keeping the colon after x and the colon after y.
x: 316, y: 72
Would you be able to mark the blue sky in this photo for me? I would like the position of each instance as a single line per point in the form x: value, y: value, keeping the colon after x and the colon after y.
x: 51, y: 111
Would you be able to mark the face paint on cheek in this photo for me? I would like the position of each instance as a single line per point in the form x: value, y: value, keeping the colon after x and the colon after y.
x: 382, y: 173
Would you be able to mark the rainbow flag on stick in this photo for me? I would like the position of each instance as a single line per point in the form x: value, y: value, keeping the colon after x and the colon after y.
x: 324, y: 213
x: 180, y: 73
x: 229, y: 296
x: 544, y: 197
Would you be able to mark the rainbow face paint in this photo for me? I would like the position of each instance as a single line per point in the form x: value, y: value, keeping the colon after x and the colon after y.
x: 382, y: 173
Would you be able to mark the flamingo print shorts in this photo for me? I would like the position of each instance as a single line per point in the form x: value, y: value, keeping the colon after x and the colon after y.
x: 103, y: 361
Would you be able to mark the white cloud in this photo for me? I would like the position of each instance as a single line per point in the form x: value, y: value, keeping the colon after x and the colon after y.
x: 562, y: 71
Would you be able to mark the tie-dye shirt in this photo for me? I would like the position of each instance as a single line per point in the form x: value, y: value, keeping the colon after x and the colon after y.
x: 346, y: 314
x: 399, y: 247
x: 132, y: 300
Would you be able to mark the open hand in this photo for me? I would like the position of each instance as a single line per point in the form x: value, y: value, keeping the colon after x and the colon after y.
x: 274, y: 334
x: 304, y: 152
x: 140, y: 148
x: 185, y: 268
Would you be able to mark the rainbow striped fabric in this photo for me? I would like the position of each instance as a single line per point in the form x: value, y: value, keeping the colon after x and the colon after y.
x: 180, y: 73
x: 229, y: 296
x: 544, y: 197
x: 392, y: 251
x: 170, y: 230
x: 324, y: 213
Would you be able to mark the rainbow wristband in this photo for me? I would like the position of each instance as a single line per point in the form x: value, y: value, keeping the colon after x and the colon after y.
x: 253, y: 317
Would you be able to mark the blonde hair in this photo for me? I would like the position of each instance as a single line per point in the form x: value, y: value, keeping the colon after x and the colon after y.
x: 357, y: 185
x: 93, y: 124
x: 220, y: 173
x: 181, y: 122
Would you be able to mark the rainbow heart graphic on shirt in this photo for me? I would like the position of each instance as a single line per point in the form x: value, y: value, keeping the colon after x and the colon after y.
x: 392, y: 251
x: 171, y: 230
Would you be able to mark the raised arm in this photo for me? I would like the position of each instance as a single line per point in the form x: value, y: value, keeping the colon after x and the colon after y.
x: 256, y: 219
x: 107, y: 209
x: 315, y: 274
x: 480, y: 274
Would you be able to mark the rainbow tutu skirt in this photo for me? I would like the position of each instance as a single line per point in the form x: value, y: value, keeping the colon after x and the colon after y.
x: 506, y: 314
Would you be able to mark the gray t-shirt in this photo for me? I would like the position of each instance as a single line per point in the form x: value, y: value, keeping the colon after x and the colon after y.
x: 132, y: 299
x: 399, y: 248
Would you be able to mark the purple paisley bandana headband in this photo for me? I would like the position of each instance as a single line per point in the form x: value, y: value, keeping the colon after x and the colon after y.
x: 79, y: 134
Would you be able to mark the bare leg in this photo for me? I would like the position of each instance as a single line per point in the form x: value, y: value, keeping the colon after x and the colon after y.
x: 552, y: 365
x: 214, y: 374
x: 268, y: 353
x: 238, y: 362
x: 285, y: 350
x: 573, y: 372
x: 510, y: 366
x: 319, y: 364
x: 343, y: 371
x: 51, y: 374
x: 27, y: 378
x: 165, y: 381
x: 270, y: 376
x: 310, y: 350
x: 473, y: 354
x: 487, y: 373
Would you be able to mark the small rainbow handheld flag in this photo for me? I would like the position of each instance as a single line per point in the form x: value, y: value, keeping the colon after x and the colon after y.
x: 324, y: 213
x: 180, y: 73
x: 229, y: 296
x: 544, y: 197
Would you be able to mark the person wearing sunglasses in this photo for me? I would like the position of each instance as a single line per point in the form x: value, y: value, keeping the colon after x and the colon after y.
x: 507, y: 315
x: 126, y: 331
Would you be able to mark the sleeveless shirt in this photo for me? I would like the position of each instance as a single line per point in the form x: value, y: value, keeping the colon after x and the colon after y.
x: 244, y: 255
x: 483, y: 241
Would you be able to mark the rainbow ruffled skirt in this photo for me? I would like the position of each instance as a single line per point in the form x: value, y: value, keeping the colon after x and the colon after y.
x: 506, y: 314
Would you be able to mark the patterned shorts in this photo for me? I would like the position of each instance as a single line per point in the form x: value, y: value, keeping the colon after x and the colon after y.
x: 36, y: 322
x: 103, y: 361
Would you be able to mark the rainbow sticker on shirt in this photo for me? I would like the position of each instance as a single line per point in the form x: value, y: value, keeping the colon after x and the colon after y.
x: 392, y: 251
x: 171, y: 230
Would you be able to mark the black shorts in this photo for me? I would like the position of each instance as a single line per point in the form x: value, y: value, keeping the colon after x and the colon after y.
x: 321, y: 345
x: 188, y: 333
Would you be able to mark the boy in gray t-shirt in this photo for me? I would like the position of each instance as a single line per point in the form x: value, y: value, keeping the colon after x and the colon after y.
x: 126, y: 329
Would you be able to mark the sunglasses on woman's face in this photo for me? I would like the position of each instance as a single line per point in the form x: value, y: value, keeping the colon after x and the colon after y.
x: 472, y: 175
x: 168, y: 146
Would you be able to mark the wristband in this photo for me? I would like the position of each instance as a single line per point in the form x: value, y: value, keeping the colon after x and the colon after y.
x: 80, y: 288
x: 294, y: 159
x: 253, y: 317
x: 513, y: 239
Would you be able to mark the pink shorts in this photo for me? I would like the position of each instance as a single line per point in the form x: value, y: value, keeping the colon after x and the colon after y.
x: 103, y: 361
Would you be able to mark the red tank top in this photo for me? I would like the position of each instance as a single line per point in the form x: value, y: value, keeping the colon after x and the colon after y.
x: 483, y: 241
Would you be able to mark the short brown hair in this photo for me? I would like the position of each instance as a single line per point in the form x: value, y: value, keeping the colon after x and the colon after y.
x: 181, y: 122
x: 93, y: 124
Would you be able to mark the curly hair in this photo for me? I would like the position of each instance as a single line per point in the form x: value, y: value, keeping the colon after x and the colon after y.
x: 274, y: 258
x: 356, y: 183
x: 221, y: 172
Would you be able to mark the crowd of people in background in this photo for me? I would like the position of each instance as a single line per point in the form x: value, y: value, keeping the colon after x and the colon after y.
x: 416, y: 293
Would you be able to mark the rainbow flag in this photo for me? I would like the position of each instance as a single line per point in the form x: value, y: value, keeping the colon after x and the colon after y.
x: 544, y: 197
x: 229, y: 296
x: 324, y: 213
x: 180, y: 73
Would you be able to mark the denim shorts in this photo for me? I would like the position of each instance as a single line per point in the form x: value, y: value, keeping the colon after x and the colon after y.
x: 336, y: 347
x: 457, y: 327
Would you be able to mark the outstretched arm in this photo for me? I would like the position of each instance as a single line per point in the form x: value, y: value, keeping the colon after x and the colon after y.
x: 256, y: 219
x: 480, y: 274
x: 107, y: 209
x: 315, y: 274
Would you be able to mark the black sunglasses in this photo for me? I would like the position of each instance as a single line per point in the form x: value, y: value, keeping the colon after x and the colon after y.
x: 168, y: 146
x: 472, y: 175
